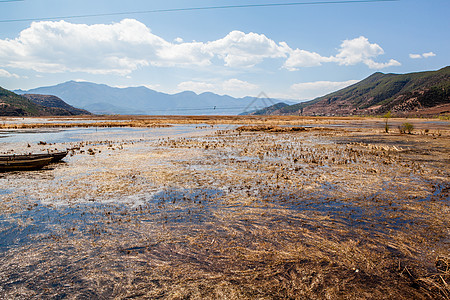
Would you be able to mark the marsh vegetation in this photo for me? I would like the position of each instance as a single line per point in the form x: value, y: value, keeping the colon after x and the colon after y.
x: 261, y: 209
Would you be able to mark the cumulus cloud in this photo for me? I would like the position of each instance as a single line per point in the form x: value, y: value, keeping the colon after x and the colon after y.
x: 357, y: 50
x: 117, y: 48
x: 302, y: 58
x: 152, y: 86
x: 415, y: 56
x: 196, y: 86
x: 6, y: 74
x: 428, y: 54
x: 238, y: 85
x: 239, y: 49
x: 311, y: 90
x: 121, y: 48
x: 233, y: 87
x: 375, y: 65
x: 351, y: 52
x: 360, y: 50
x: 61, y: 46
x: 424, y: 55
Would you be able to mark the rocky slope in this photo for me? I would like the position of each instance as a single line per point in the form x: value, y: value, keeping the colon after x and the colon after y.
x: 57, y: 106
x: 267, y: 110
x: 15, y: 105
x: 12, y: 104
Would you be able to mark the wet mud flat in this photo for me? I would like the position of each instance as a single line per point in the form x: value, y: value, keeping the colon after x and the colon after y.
x: 318, y: 213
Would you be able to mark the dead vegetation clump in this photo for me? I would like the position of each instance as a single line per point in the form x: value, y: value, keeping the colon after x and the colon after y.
x: 270, y: 128
x: 439, y: 281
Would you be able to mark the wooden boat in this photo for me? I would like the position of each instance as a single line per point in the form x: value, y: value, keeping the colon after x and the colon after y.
x: 55, y: 156
x: 24, y: 164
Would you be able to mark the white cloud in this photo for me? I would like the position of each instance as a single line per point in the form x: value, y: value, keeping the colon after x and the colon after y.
x: 118, y: 48
x: 149, y: 86
x: 238, y: 85
x: 360, y: 50
x: 152, y: 86
x: 311, y: 90
x: 239, y: 49
x: 6, y: 74
x: 196, y: 86
x: 357, y: 51
x: 121, y: 48
x: 415, y: 56
x: 428, y: 54
x: 61, y: 46
x: 424, y: 55
x: 182, y: 55
x: 351, y: 52
x: 302, y: 58
x: 233, y: 87
x: 375, y: 65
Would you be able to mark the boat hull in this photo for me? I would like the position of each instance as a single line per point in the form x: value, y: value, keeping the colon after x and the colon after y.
x: 24, y: 164
x: 55, y: 157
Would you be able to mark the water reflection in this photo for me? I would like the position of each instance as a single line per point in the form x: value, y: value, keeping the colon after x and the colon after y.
x: 37, y: 222
x: 68, y: 135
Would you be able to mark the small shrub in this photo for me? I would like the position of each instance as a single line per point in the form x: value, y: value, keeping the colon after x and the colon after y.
x: 406, y: 128
x: 386, y: 117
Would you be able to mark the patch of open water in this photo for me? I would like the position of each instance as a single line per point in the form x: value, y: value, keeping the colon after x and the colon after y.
x: 39, y: 221
x: 68, y: 135
x: 371, y: 217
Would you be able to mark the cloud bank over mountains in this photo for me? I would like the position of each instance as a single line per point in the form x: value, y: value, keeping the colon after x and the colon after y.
x: 219, y: 87
x: 121, y: 48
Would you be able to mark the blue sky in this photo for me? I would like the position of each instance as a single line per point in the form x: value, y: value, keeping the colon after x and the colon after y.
x: 295, y: 52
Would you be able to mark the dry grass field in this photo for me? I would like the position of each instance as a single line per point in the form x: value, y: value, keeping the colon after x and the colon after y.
x: 238, y: 208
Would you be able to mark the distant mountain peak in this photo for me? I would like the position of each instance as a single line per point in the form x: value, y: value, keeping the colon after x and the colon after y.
x: 187, y: 93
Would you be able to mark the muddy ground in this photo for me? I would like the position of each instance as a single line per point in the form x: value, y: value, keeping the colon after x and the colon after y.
x: 335, y: 210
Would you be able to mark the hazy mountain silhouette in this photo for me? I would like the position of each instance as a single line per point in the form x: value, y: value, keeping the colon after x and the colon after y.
x: 103, y: 99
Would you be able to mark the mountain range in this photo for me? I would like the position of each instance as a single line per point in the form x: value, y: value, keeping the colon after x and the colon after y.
x: 103, y: 99
x: 413, y: 94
